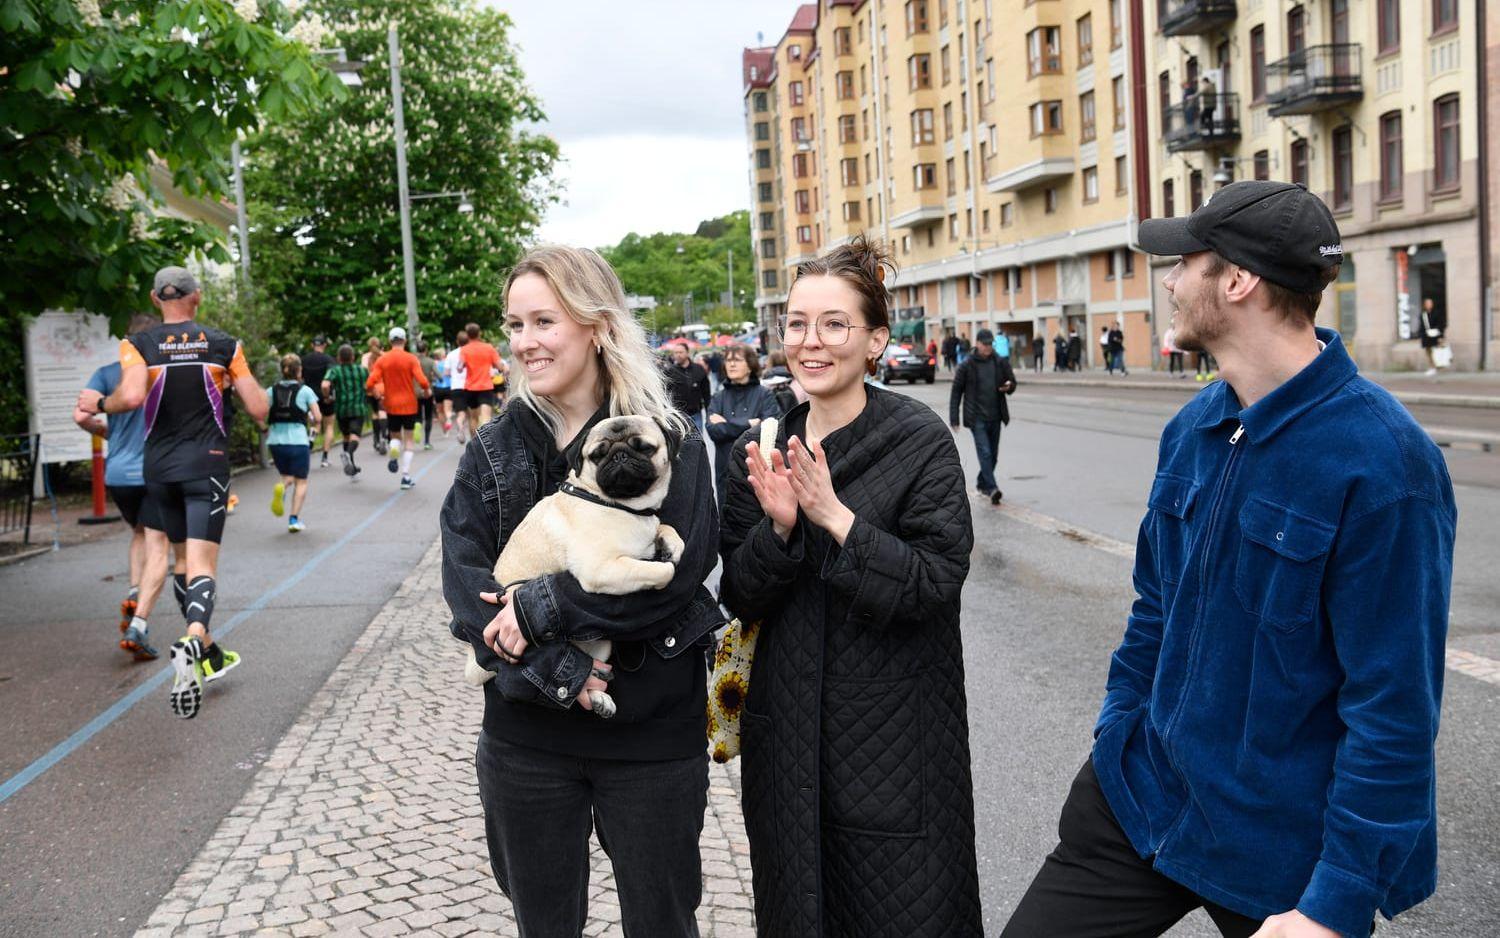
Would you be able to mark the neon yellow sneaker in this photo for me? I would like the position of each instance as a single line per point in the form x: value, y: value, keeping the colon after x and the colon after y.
x: 228, y: 662
x: 278, y: 495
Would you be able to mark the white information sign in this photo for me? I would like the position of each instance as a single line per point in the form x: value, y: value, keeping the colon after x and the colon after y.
x: 62, y: 351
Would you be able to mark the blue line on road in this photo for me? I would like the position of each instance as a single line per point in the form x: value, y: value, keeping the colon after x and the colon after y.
x: 92, y: 728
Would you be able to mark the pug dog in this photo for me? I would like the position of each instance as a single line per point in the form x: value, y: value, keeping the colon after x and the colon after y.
x: 601, y: 526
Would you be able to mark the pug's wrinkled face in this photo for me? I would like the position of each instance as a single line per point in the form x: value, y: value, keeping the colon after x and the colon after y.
x: 625, y: 458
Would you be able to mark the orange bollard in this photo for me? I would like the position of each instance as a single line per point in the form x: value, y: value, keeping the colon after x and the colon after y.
x: 99, y: 516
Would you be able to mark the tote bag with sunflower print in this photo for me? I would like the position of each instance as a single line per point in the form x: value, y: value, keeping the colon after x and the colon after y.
x: 729, y: 687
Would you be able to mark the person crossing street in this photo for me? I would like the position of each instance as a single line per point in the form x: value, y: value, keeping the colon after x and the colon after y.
x: 399, y: 372
x: 181, y: 371
x: 981, y: 385
x: 345, y: 385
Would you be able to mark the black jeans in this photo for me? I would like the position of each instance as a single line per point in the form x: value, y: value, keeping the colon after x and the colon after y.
x: 538, y: 810
x: 1094, y: 885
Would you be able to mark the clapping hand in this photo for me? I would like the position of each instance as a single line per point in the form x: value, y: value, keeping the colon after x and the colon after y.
x: 813, y: 485
x: 772, y: 486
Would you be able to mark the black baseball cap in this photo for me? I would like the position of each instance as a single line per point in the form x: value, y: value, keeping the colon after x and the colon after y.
x: 1275, y: 229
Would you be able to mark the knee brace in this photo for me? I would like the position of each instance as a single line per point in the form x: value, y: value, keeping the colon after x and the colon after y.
x: 200, y: 601
x: 179, y: 590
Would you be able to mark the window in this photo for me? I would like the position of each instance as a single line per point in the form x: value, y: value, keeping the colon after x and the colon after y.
x: 1343, y: 167
x: 1444, y: 15
x: 1122, y: 175
x: 953, y: 227
x: 794, y: 92
x: 1117, y: 88
x: 916, y: 16
x: 1090, y: 184
x: 1445, y: 136
x: 984, y: 221
x: 1296, y: 30
x: 1390, y: 155
x: 1116, y: 25
x: 1129, y: 265
x: 1168, y: 205
x: 862, y: 84
x: 919, y: 71
x: 1258, y: 64
x: 799, y: 129
x: 952, y: 177
x: 1086, y: 116
x: 794, y: 52
x: 803, y: 201
x: 1195, y: 190
x: 851, y: 211
x: 799, y: 165
x: 768, y: 248
x: 1043, y: 51
x: 945, y: 65
x: 942, y: 14
x: 762, y: 130
x: 869, y: 170
x: 848, y: 132
x: 948, y: 121
x: 963, y: 110
x: 1046, y: 118
x: 1007, y: 214
x: 1085, y: 39
x: 1164, y: 92
x: 843, y: 86
x: 765, y: 192
x: 1387, y: 25
x: 1049, y: 200
x: 849, y: 171
x: 804, y: 234
x: 767, y: 220
x: 762, y: 159
x: 924, y: 176
x: 760, y: 102
x: 1013, y: 279
x: 864, y: 124
x: 768, y: 279
x: 1262, y: 165
x: 921, y: 126
x: 1109, y: 265
x: 843, y: 42
x: 1299, y: 162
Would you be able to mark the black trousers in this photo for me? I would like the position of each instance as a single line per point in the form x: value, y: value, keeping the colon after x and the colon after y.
x: 1094, y: 885
x: 539, y: 808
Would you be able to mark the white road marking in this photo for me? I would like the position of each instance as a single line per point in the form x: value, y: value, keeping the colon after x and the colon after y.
x: 1475, y: 666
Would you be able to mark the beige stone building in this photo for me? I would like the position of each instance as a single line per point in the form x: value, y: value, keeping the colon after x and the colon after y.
x: 994, y: 159
x: 1372, y: 106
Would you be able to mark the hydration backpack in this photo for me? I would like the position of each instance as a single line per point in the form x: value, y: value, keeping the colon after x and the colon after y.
x: 284, y: 407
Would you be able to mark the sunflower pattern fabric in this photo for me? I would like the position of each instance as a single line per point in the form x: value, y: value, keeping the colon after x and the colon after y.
x: 729, y: 688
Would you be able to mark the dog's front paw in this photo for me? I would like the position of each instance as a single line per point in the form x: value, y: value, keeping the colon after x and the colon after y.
x: 669, y: 546
x: 660, y: 574
x: 473, y: 673
x: 604, y: 705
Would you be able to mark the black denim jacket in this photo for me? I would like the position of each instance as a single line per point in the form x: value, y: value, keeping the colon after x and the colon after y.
x: 493, y: 489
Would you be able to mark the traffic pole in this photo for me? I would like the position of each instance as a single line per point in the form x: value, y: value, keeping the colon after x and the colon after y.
x: 98, y: 517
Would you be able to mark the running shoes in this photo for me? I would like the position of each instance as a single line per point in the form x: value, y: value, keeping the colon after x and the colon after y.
x: 218, y: 662
x: 134, y: 641
x: 394, y: 462
x: 294, y: 524
x: 127, y: 612
x: 187, y: 678
x: 407, y: 482
x: 278, y: 498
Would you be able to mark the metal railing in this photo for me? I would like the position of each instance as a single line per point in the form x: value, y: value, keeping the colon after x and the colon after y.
x: 1194, y: 125
x: 1314, y: 79
x: 18, y: 462
x: 1193, y: 17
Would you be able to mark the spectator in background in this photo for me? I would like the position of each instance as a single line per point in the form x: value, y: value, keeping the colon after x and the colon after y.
x: 740, y: 404
x: 1116, y: 349
x: 1109, y: 362
x: 687, y: 382
x: 1038, y: 353
x: 1075, y: 350
x: 950, y: 351
x: 1059, y: 352
x: 1434, y: 326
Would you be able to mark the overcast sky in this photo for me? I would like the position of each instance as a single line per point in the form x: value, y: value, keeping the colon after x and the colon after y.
x: 644, y: 97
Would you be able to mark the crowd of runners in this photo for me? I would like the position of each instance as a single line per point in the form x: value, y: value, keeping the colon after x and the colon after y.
x: 166, y: 408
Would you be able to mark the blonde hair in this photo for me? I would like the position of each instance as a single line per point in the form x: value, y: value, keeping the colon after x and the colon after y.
x: 291, y: 366
x: 590, y: 292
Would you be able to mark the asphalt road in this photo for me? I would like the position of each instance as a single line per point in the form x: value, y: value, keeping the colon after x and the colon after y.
x: 93, y: 843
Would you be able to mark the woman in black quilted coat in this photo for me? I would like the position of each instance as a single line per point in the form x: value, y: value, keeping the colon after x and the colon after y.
x: 852, y: 549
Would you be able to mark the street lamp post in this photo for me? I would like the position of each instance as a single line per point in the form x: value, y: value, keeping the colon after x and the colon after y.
x: 408, y: 264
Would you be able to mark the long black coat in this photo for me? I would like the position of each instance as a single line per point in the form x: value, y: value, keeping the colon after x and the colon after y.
x: 858, y: 795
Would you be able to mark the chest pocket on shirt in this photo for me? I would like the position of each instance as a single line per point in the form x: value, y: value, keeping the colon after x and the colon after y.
x: 1172, y: 500
x: 1280, y: 567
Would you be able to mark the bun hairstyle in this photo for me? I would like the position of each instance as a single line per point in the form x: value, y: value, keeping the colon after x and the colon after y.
x: 865, y: 264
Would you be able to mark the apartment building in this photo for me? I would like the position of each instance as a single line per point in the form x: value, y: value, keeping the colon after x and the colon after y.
x: 1367, y: 104
x: 995, y: 162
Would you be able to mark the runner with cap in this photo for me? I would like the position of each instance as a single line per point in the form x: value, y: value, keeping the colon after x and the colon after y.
x: 181, y: 371
x: 315, y: 365
x: 1265, y: 749
x: 399, y: 373
x: 125, y: 481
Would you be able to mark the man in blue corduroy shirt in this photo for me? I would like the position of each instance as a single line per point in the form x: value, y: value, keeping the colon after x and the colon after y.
x: 1265, y: 748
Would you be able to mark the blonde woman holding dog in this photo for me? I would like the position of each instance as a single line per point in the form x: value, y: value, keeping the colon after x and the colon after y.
x: 851, y: 549
x: 550, y: 771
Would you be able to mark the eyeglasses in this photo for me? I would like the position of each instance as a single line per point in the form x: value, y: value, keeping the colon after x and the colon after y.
x: 831, y: 330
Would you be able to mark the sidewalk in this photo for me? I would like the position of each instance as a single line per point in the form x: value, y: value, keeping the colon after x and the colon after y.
x: 365, y: 819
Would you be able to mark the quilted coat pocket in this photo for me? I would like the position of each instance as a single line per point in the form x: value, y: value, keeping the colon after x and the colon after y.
x: 1171, y: 502
x: 873, y: 734
x: 1281, y: 560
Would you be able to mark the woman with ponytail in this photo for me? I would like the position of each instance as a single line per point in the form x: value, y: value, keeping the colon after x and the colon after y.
x: 850, y: 545
x: 550, y: 771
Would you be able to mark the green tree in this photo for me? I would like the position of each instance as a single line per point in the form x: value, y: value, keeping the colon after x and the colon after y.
x: 651, y: 265
x: 325, y: 230
x: 94, y: 96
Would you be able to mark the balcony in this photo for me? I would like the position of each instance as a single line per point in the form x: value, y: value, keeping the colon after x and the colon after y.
x: 921, y: 216
x: 1315, y: 79
x: 1196, y: 17
x: 1187, y: 126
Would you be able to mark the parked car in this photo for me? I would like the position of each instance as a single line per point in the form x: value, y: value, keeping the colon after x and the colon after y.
x: 912, y: 365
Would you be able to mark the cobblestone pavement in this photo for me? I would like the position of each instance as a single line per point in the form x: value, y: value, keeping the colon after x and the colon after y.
x: 365, y: 819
